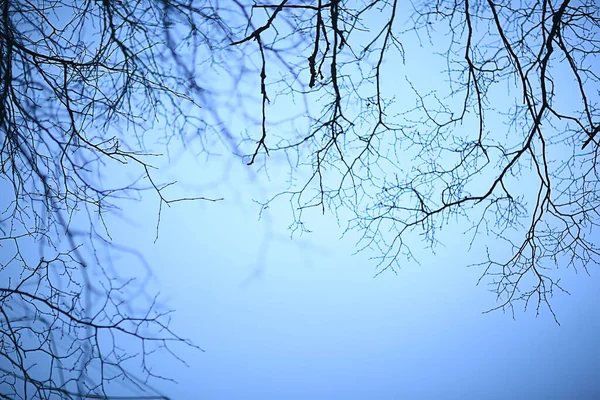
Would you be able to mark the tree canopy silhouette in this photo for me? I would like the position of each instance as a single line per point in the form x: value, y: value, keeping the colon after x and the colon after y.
x: 481, y: 115
x: 83, y: 84
x: 499, y: 141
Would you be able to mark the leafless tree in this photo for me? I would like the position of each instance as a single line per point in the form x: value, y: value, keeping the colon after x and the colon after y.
x: 82, y: 86
x: 504, y: 146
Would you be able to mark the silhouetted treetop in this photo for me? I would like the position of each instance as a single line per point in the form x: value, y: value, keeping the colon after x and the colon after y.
x: 477, y: 114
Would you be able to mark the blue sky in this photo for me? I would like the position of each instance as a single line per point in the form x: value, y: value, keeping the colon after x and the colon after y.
x: 303, y: 318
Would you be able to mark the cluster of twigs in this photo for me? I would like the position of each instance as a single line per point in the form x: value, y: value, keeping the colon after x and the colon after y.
x: 505, y: 145
x: 83, y: 85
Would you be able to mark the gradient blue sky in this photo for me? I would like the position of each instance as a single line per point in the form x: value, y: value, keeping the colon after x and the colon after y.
x: 304, y: 319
